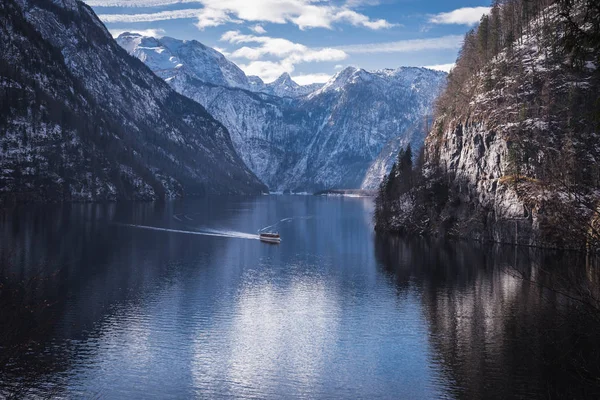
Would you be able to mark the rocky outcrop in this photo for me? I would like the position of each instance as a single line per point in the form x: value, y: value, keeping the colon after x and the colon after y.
x: 484, y: 204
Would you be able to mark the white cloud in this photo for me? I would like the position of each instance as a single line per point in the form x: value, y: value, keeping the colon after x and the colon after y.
x: 461, y: 16
x: 292, y: 52
x: 308, y: 79
x: 157, y: 33
x: 359, y: 19
x: 338, y: 66
x: 359, y: 3
x: 258, y: 29
x: 159, y: 16
x: 303, y: 13
x: 404, y: 46
x: 209, y: 17
x: 441, y: 67
x: 286, y: 53
x: 268, y: 71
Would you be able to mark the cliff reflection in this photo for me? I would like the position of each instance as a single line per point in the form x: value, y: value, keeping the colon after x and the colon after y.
x: 497, y: 323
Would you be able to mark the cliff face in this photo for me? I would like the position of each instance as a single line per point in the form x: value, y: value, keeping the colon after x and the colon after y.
x: 513, y: 154
x: 484, y: 205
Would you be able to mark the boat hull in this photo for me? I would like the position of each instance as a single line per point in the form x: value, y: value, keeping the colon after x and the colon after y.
x: 270, y: 240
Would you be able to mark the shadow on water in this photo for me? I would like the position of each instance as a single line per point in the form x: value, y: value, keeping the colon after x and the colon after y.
x: 504, y: 321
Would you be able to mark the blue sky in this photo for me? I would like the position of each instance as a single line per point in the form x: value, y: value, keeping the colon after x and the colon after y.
x: 309, y: 39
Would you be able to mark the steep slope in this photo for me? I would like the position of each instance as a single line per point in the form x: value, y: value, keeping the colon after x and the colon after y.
x: 326, y: 139
x: 382, y: 165
x: 82, y: 120
x: 355, y: 114
x: 513, y: 156
x: 169, y: 57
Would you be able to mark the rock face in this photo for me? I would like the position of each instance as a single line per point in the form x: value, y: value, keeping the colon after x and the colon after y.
x: 513, y: 154
x: 306, y: 138
x: 82, y: 120
x: 484, y: 206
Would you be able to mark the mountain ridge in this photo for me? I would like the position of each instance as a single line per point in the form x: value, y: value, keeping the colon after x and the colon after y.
x: 323, y: 138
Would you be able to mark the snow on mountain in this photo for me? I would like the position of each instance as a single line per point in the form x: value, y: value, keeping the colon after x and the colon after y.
x: 81, y: 120
x: 513, y: 156
x: 356, y: 113
x: 382, y: 165
x: 317, y: 137
x: 169, y: 57
x: 284, y: 86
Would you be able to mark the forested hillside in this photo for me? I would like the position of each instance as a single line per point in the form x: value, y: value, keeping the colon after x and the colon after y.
x: 513, y: 154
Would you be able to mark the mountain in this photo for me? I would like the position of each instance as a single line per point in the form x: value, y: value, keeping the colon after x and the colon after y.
x: 82, y: 120
x: 514, y: 153
x: 354, y: 115
x: 170, y: 58
x: 320, y: 137
x: 284, y: 86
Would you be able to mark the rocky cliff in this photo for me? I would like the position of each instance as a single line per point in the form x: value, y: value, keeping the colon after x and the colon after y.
x: 513, y: 155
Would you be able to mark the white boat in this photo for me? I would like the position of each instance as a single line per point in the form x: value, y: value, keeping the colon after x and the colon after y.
x: 270, y: 237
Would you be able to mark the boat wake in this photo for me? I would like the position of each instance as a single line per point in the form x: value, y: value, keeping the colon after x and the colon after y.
x: 208, y: 232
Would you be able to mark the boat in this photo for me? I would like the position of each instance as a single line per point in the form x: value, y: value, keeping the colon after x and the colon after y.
x: 270, y: 237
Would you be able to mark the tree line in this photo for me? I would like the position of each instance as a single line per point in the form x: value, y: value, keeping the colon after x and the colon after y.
x: 508, y: 23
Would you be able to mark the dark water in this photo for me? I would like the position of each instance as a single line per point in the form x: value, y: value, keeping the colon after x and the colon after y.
x: 92, y: 307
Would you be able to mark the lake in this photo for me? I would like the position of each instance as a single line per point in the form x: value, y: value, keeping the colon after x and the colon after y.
x: 180, y: 300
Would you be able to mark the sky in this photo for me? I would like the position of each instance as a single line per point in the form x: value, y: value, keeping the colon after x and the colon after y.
x: 309, y: 39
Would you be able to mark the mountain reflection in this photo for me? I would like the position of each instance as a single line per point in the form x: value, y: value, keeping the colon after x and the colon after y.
x: 496, y: 323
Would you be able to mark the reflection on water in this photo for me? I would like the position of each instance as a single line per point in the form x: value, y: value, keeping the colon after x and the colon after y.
x: 496, y: 322
x: 95, y: 307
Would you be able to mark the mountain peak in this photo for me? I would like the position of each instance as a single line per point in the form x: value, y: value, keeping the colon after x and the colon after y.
x: 285, y: 78
x: 285, y: 86
x: 341, y: 79
x: 169, y: 58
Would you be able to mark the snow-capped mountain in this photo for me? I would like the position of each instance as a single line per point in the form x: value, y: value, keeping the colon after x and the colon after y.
x: 169, y: 58
x: 320, y: 137
x: 82, y: 120
x: 284, y: 86
x: 356, y: 113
